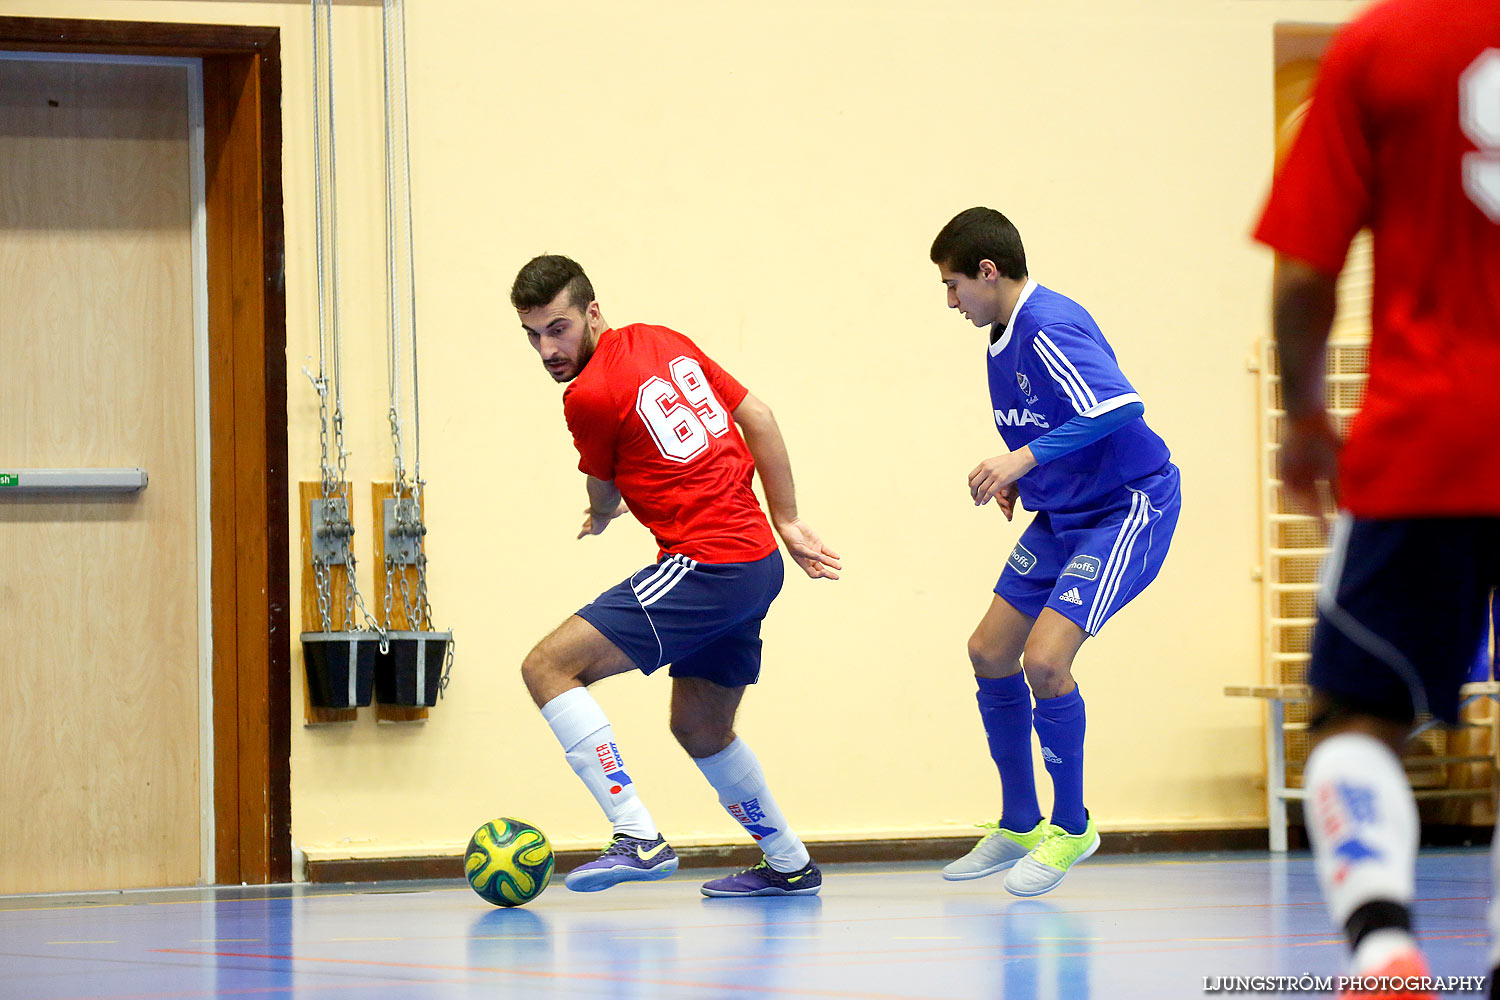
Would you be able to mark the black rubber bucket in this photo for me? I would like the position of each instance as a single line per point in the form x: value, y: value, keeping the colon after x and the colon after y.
x: 410, y: 672
x: 340, y: 667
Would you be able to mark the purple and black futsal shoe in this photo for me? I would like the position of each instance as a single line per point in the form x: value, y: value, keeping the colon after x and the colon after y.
x: 763, y: 880
x: 626, y: 859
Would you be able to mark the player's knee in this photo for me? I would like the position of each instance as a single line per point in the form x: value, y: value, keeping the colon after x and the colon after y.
x: 987, y: 662
x: 539, y: 668
x: 701, y: 737
x: 1048, y: 677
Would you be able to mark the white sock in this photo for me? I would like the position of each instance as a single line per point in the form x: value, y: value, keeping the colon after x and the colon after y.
x: 736, y: 776
x: 583, y: 729
x: 1362, y: 820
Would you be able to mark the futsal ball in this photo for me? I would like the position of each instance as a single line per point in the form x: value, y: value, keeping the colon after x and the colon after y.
x: 508, y: 862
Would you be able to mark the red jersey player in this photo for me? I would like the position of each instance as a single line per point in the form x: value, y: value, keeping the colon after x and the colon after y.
x: 663, y: 430
x: 1403, y: 136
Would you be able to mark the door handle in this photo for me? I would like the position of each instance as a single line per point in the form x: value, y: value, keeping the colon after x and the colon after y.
x: 72, y: 481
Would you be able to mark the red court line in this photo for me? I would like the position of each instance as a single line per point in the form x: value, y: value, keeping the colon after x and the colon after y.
x: 561, y: 976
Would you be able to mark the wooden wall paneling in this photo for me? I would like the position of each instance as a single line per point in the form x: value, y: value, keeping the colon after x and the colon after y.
x: 225, y: 500
x: 247, y: 323
x: 312, y: 618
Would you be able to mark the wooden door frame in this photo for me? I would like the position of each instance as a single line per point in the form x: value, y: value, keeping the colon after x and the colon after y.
x: 250, y: 590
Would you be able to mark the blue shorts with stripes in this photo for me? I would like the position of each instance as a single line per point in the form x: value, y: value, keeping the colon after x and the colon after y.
x: 702, y: 618
x: 1088, y: 564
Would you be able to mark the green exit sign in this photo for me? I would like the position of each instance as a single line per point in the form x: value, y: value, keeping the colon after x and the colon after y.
x: 10, y: 479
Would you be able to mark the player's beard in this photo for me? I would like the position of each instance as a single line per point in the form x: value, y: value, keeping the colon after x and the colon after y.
x: 585, y: 351
x: 586, y: 347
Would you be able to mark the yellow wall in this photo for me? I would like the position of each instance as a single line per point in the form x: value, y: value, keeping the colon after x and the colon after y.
x: 767, y: 178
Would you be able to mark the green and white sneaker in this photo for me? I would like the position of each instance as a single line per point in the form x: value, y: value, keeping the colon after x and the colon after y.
x: 1044, y: 867
x: 996, y: 851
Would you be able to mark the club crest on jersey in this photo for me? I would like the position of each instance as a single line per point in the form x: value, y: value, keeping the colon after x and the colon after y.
x: 1021, y: 559
x: 1086, y: 567
x: 1020, y: 418
x: 1024, y: 383
x: 614, y: 768
x: 750, y: 815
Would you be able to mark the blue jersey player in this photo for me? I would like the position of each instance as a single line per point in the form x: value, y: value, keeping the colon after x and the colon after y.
x: 1106, y: 498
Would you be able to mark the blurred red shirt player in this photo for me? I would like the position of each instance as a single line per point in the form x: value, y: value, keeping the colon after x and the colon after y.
x: 1402, y: 136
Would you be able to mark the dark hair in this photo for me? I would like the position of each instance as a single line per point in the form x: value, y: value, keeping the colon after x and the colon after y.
x: 978, y: 234
x: 543, y: 277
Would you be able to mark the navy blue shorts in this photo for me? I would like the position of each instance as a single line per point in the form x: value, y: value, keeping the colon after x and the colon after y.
x: 1402, y: 613
x: 1086, y: 565
x: 702, y: 618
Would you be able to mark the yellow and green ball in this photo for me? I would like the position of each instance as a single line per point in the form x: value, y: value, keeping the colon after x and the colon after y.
x: 508, y: 862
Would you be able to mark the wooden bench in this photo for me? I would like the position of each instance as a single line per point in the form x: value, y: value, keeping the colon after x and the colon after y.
x: 1277, y: 696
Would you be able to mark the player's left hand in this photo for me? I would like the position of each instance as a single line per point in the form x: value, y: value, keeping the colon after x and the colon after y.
x: 991, y: 477
x: 594, y: 524
x: 808, y: 550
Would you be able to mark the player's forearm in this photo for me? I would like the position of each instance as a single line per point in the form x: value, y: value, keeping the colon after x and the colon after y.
x: 1303, y: 303
x: 604, y: 497
x: 768, y: 448
x: 1082, y: 430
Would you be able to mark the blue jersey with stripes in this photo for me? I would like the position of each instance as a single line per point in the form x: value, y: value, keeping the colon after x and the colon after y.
x: 1049, y: 364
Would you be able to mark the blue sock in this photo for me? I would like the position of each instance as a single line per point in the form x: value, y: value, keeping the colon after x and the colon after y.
x: 1005, y: 708
x: 1059, y: 725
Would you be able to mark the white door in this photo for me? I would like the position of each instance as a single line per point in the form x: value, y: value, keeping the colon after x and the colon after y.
x: 102, y: 643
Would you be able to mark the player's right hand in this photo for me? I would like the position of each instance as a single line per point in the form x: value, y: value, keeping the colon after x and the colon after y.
x: 1309, y: 455
x: 594, y: 524
x: 1007, y: 498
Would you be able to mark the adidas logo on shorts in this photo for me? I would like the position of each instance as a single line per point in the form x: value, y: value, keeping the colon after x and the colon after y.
x: 1072, y: 597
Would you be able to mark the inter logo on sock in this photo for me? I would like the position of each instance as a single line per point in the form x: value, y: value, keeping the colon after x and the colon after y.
x: 1346, y: 807
x: 750, y: 814
x: 614, y: 768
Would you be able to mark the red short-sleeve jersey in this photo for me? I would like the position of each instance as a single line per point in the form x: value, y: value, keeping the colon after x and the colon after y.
x: 653, y: 413
x: 1403, y: 136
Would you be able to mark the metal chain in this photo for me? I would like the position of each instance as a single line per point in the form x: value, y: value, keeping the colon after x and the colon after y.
x: 330, y: 485
x: 390, y: 571
x: 424, y: 609
x: 413, y: 622
x: 447, y: 666
x: 323, y: 584
x: 399, y: 465
x: 335, y: 474
x: 353, y: 598
x: 322, y: 580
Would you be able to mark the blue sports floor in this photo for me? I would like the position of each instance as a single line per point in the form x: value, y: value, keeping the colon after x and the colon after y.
x: 1120, y: 927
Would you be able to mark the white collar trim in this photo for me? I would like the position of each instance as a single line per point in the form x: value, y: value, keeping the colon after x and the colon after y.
x: 997, y: 345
